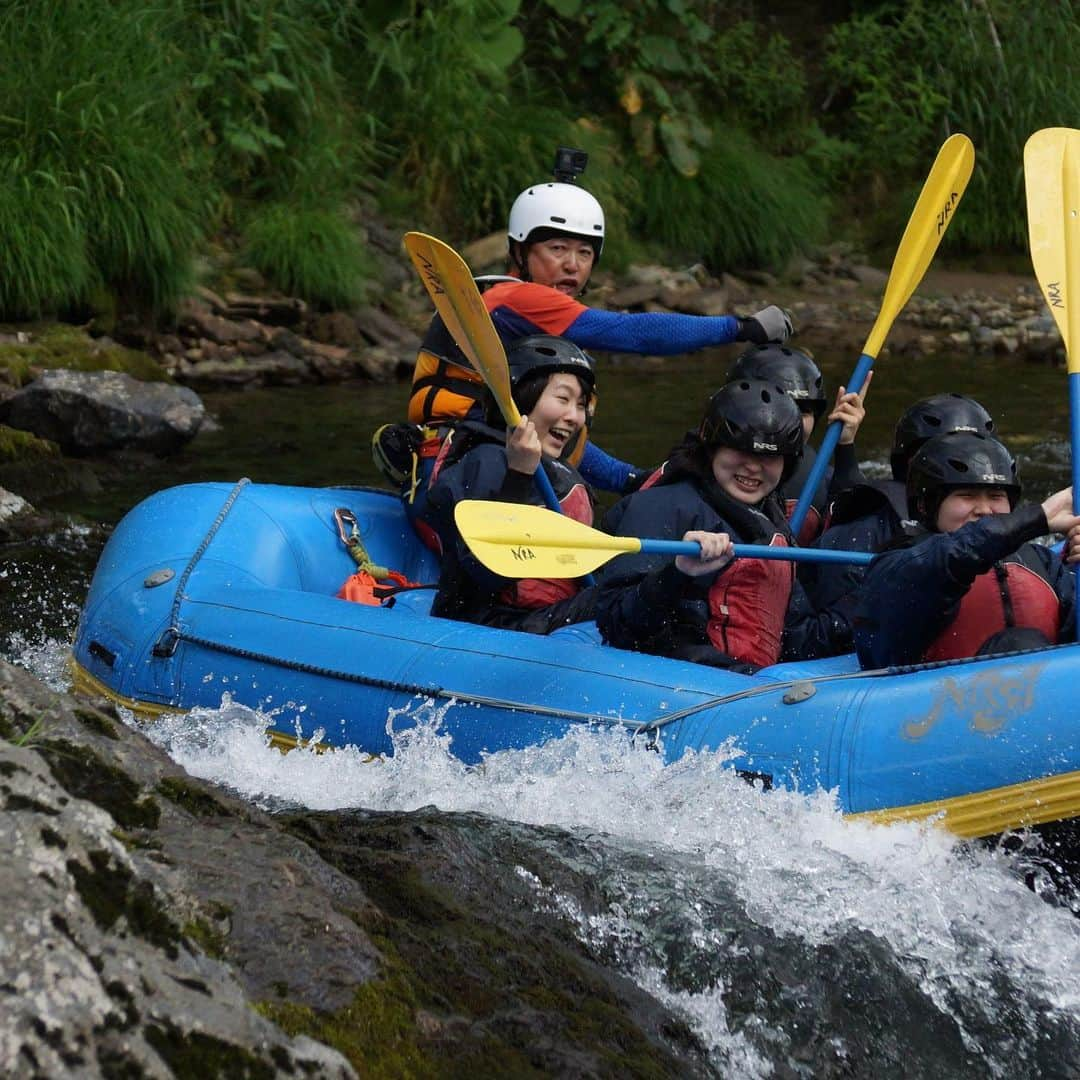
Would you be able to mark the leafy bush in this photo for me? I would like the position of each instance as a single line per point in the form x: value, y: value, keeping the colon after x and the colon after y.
x: 459, y: 144
x: 269, y: 95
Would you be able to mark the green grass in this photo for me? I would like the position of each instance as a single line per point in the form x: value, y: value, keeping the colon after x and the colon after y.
x: 314, y: 253
x: 101, y: 180
x: 745, y: 208
x: 905, y: 77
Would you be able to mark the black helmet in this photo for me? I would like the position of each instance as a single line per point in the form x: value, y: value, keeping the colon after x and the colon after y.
x: 793, y: 370
x: 937, y: 415
x: 755, y: 416
x: 544, y: 354
x: 958, y: 460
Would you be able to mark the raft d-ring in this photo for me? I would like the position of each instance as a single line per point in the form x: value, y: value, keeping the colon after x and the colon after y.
x: 159, y: 577
x: 800, y: 691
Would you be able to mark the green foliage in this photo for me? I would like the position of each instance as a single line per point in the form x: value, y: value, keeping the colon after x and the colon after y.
x: 92, y: 125
x: 269, y: 96
x: 744, y: 208
x: 130, y: 130
x: 310, y: 252
x: 905, y: 77
x: 896, y: 106
x: 16, y: 445
x: 760, y: 85
x: 459, y: 145
x: 654, y: 60
x: 43, y: 243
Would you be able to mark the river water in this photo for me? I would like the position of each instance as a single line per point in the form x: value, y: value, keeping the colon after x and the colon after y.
x: 794, y: 942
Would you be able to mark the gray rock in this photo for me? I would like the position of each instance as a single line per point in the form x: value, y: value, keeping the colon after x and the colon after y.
x: 383, y: 364
x: 101, y: 970
x: 633, y: 296
x: 87, y: 412
x: 870, y: 276
x: 217, y: 329
x: 485, y: 253
x: 702, y: 302
x: 380, y: 328
x: 11, y: 505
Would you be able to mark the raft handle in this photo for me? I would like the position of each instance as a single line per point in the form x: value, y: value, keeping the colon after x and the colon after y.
x: 803, y: 690
x: 106, y: 656
x: 166, y: 644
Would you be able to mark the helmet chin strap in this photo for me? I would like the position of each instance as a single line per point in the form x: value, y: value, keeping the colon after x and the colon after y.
x: 519, y: 258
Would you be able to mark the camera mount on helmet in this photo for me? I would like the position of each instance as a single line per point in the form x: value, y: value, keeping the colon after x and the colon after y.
x: 569, y: 164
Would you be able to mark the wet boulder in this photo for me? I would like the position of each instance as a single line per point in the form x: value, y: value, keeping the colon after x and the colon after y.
x: 113, y: 964
x: 87, y: 412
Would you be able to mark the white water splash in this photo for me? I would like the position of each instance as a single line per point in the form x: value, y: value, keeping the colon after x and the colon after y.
x: 954, y: 916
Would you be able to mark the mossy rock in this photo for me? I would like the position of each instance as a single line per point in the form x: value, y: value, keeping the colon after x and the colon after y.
x: 59, y: 345
x: 16, y: 445
x: 36, y: 469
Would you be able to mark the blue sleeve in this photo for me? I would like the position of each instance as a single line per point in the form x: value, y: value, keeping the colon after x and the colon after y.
x: 603, y: 471
x: 825, y: 583
x: 659, y: 333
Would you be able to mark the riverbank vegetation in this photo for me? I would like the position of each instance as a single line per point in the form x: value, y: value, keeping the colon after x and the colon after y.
x: 136, y: 134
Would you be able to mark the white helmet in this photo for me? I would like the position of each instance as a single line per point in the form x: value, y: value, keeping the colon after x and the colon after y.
x: 564, y: 208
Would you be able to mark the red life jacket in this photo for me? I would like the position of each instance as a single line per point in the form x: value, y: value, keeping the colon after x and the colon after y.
x: 813, y: 524
x: 748, y: 605
x: 534, y: 593
x: 1023, y: 598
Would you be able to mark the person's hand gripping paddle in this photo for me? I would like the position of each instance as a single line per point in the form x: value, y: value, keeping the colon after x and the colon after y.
x: 933, y: 211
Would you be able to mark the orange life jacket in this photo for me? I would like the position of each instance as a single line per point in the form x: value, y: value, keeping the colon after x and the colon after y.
x: 1019, y: 597
x: 748, y: 604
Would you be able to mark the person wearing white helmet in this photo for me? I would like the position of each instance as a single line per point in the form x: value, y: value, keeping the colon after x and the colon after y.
x: 556, y: 237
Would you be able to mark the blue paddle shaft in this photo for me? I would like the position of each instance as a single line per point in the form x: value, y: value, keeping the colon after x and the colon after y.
x: 1074, y: 440
x: 551, y: 500
x: 825, y: 452
x: 547, y: 492
x: 759, y: 551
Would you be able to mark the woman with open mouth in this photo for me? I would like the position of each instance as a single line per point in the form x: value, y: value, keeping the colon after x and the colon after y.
x: 552, y: 384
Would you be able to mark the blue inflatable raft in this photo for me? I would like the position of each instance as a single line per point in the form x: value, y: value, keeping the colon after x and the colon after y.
x: 210, y: 589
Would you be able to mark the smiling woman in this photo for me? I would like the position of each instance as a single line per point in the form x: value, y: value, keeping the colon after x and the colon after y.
x: 717, y: 486
x: 551, y: 382
x: 968, y: 580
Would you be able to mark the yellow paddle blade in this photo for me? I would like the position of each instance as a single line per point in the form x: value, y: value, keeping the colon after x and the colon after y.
x: 450, y: 284
x: 528, y: 541
x: 1052, y: 181
x: 933, y: 211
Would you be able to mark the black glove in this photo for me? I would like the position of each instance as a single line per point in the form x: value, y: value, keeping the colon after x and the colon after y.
x: 771, y: 325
